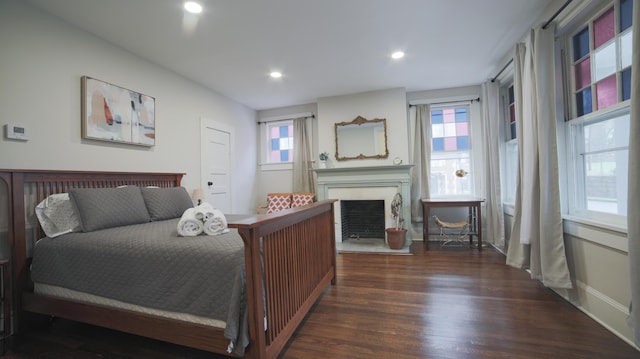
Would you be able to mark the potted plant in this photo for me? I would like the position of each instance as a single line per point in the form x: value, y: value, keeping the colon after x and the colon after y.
x: 396, y: 236
x: 324, y: 156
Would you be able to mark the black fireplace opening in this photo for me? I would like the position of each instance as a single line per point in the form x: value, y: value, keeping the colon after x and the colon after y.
x: 362, y: 219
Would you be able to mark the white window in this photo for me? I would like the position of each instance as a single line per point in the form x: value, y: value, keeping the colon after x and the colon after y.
x: 450, y: 151
x: 599, y: 64
x: 600, y: 160
x: 278, y: 143
x: 510, y: 172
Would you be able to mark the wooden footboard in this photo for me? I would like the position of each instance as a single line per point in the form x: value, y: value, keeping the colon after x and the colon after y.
x: 298, y: 262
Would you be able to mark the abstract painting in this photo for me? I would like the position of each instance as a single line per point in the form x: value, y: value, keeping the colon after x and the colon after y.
x: 115, y: 114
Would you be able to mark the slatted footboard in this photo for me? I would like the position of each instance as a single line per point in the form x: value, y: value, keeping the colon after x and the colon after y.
x: 298, y: 250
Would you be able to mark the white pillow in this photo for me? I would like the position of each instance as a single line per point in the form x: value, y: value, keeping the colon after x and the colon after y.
x: 57, y: 215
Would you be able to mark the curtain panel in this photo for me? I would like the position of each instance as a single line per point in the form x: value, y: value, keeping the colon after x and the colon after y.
x: 303, y: 179
x: 537, y: 241
x: 494, y: 213
x: 421, y: 161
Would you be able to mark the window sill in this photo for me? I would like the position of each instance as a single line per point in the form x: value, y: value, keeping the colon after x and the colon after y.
x: 605, y: 234
x: 285, y: 166
x: 602, y: 233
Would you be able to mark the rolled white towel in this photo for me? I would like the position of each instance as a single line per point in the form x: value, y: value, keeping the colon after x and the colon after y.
x: 216, y: 224
x: 204, y: 211
x: 189, y: 225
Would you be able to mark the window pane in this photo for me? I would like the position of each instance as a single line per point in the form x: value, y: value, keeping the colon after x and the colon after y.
x: 284, y: 156
x: 603, y: 28
x: 438, y: 144
x: 512, y: 113
x: 607, y: 135
x: 606, y: 182
x: 513, y: 131
x: 626, y: 84
x: 511, y: 97
x: 437, y: 130
x: 449, y: 115
x: 581, y: 44
x: 583, y: 73
x: 607, y: 92
x: 450, y: 144
x: 626, y: 11
x: 462, y: 129
x: 462, y: 143
x: 512, y: 169
x: 605, y: 164
x: 605, y: 61
x: 443, y: 176
x: 461, y: 115
x: 626, y: 45
x: 436, y: 116
x: 449, y: 130
x: 275, y: 156
x: 583, y: 102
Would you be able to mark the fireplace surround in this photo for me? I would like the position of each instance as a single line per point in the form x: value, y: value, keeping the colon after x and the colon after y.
x: 366, y: 183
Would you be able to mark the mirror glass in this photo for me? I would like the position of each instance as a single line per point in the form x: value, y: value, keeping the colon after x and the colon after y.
x: 361, y: 138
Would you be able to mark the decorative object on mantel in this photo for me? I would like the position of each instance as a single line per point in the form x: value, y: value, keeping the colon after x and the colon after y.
x: 361, y: 139
x: 461, y: 173
x: 324, y: 156
x: 396, y: 236
x: 115, y: 114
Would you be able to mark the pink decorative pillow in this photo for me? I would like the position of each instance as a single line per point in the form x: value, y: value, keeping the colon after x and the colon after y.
x: 277, y: 202
x: 301, y: 199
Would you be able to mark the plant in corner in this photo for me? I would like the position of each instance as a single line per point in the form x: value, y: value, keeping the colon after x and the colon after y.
x: 396, y: 236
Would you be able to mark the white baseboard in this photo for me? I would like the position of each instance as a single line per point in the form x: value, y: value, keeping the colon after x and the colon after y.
x: 603, y: 309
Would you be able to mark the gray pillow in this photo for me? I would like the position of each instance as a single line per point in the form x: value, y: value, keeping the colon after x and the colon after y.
x: 101, y: 208
x: 166, y: 203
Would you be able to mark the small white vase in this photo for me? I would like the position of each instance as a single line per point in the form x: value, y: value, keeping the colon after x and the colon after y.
x: 322, y: 164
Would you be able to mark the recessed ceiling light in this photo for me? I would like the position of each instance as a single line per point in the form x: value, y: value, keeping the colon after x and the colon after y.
x: 397, y: 55
x: 275, y: 74
x: 193, y: 7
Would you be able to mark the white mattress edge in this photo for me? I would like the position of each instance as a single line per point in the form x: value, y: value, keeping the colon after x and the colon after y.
x: 64, y: 293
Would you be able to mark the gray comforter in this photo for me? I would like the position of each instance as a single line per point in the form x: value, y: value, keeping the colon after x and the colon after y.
x: 150, y: 265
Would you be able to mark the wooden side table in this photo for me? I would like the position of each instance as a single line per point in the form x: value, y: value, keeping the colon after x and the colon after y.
x: 475, y: 215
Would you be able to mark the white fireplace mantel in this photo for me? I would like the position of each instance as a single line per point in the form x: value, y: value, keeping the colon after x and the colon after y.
x: 376, y: 181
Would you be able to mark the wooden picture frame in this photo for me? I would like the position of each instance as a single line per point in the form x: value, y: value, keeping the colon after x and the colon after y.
x: 115, y: 114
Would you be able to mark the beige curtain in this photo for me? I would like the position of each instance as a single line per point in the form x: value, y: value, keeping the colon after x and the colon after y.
x: 303, y: 178
x: 493, y: 213
x: 633, y: 206
x: 537, y: 241
x: 421, y: 155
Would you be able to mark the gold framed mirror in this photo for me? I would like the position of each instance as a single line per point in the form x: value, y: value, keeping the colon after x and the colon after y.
x: 361, y: 138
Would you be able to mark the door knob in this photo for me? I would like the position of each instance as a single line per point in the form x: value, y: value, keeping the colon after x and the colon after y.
x: 209, y: 183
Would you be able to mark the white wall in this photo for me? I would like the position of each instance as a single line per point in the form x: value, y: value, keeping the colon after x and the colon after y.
x: 41, y: 63
x: 390, y: 104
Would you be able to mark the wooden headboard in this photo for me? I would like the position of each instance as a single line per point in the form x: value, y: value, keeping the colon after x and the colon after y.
x: 27, y: 188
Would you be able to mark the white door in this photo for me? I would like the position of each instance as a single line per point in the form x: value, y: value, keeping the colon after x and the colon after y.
x: 216, y: 164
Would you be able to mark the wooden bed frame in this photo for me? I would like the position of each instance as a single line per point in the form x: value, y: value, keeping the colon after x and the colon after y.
x: 299, y: 263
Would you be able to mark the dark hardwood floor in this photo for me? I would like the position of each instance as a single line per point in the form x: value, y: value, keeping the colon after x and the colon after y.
x: 443, y: 303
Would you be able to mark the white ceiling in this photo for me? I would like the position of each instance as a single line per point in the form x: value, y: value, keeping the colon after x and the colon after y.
x: 322, y: 47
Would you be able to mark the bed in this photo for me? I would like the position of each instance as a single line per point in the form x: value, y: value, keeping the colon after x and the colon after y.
x: 288, y: 257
